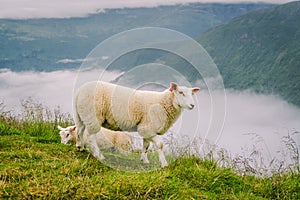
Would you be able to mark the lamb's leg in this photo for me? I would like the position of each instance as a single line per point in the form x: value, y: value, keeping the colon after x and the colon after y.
x: 144, y: 156
x: 159, y: 145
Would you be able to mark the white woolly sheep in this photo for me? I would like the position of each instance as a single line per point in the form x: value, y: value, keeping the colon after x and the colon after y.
x: 106, y: 139
x: 101, y: 104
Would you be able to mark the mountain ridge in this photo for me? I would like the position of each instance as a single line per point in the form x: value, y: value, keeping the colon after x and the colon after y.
x: 38, y: 44
x: 259, y: 50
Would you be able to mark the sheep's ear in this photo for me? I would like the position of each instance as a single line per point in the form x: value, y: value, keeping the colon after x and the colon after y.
x: 73, y: 128
x: 60, y: 128
x: 173, y: 86
x: 195, y: 90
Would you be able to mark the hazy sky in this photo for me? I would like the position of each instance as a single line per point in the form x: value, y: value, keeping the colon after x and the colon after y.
x: 77, y: 8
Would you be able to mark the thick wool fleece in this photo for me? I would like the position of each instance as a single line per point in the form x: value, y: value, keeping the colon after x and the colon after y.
x: 119, y: 108
x: 107, y: 139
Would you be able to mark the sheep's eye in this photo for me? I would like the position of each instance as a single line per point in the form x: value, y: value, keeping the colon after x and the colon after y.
x: 68, y: 135
x: 180, y: 92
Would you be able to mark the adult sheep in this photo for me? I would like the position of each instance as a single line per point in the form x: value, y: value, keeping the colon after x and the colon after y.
x: 106, y: 139
x: 101, y: 104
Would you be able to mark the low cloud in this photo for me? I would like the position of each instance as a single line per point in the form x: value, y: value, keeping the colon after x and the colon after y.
x: 25, y: 9
x: 67, y: 60
x: 50, y: 88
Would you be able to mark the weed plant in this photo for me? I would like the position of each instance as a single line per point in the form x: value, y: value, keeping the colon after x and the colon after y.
x: 34, y: 120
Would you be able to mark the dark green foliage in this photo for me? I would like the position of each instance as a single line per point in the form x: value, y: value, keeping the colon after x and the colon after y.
x: 259, y: 50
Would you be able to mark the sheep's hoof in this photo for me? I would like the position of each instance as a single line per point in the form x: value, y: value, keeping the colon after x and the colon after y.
x: 79, y: 148
x: 164, y: 165
x: 145, y: 161
x: 100, y: 157
x: 144, y: 158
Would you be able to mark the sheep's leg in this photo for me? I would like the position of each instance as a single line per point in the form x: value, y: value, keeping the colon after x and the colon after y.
x: 93, y: 147
x: 144, y: 156
x: 80, y: 130
x: 159, y: 145
x: 79, y: 138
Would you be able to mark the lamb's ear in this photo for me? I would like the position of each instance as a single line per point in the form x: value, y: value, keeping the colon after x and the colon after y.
x: 73, y: 128
x: 195, y: 90
x: 173, y: 86
x: 60, y: 128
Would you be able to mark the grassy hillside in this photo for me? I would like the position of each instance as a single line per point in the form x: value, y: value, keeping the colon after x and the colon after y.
x: 35, y: 165
x: 260, y: 50
x: 34, y: 168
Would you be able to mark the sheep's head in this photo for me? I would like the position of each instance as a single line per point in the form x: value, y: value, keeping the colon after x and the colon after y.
x: 67, y: 134
x: 183, y: 96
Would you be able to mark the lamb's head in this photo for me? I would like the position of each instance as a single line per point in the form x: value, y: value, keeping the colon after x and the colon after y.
x: 67, y: 134
x: 183, y: 96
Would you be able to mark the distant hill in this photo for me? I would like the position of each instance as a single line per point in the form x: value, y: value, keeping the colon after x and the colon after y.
x: 259, y: 50
x: 39, y: 44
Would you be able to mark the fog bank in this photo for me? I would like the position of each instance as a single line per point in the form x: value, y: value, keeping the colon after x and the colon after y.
x: 247, y: 113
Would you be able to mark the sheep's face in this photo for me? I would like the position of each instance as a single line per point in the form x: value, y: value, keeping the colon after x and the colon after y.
x: 67, y: 134
x: 183, y: 96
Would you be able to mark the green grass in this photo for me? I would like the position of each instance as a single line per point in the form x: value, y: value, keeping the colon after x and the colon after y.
x: 33, y: 168
x: 35, y: 165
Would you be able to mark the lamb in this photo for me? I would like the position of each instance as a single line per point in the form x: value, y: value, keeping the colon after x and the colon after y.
x: 106, y: 139
x: 68, y: 134
x: 100, y: 104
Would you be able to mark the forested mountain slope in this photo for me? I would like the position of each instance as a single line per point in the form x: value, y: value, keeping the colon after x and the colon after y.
x: 259, y: 50
x: 40, y: 44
